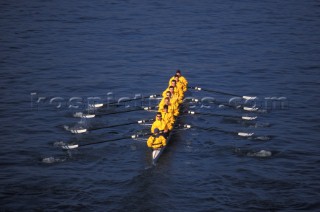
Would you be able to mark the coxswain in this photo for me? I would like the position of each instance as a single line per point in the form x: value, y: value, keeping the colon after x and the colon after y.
x: 156, y: 140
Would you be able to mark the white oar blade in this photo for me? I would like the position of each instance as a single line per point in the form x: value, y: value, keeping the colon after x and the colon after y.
x: 187, y: 126
x: 88, y: 116
x: 96, y: 105
x: 141, y: 121
x: 81, y: 115
x: 250, y: 108
x: 70, y: 146
x: 243, y: 134
x: 249, y: 97
x: 195, y: 100
x: 249, y: 117
x: 79, y: 131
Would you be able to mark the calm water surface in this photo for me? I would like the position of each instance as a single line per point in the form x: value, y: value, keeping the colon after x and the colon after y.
x: 62, y: 52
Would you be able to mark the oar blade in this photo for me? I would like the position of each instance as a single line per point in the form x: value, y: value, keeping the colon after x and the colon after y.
x: 89, y: 116
x: 78, y: 131
x: 249, y: 97
x: 70, y: 146
x: 96, y: 105
x: 251, y: 108
x: 249, y: 117
x: 243, y: 134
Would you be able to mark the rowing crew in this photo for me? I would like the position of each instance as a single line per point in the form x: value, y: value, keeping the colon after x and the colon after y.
x: 168, y: 111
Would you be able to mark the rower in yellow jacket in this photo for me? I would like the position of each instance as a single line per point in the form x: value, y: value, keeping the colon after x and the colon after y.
x: 172, y: 100
x: 167, y: 117
x: 182, y: 79
x: 160, y: 124
x: 177, y: 88
x: 172, y: 108
x: 156, y: 140
x: 175, y: 94
x: 179, y: 85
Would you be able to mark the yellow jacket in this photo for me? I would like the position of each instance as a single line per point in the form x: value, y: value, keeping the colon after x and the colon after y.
x: 174, y: 104
x: 182, y: 79
x: 172, y: 108
x: 176, y: 96
x: 173, y: 101
x: 168, y: 118
x: 178, y: 92
x: 156, y: 142
x: 160, y: 124
x: 179, y: 85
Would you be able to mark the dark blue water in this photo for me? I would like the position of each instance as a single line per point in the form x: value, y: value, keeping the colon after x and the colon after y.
x: 61, y: 52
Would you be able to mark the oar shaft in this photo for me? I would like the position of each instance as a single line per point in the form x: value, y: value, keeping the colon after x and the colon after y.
x: 73, y: 146
x: 125, y: 100
x: 116, y: 112
x: 111, y: 126
x: 111, y: 113
x: 223, y: 115
x: 221, y: 92
x: 124, y: 124
x: 242, y: 134
x: 251, y: 109
x: 82, y: 130
x: 127, y: 111
x: 214, y: 91
x: 211, y: 114
x: 99, y: 142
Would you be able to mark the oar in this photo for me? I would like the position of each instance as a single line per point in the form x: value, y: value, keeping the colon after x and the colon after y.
x: 83, y: 130
x: 244, y: 120
x: 98, y: 105
x: 220, y: 92
x: 251, y: 109
x: 88, y: 115
x: 223, y: 115
x: 242, y: 134
x: 73, y: 146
